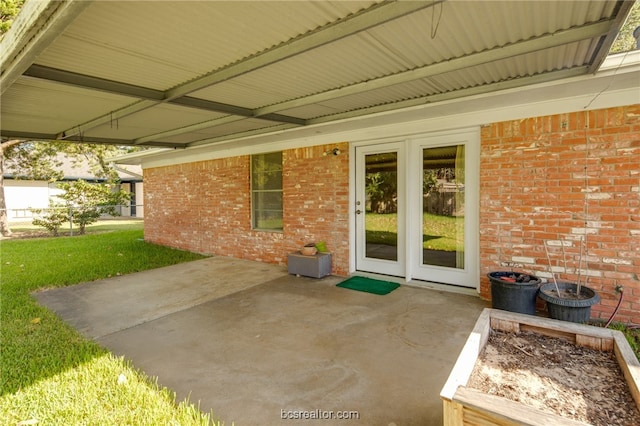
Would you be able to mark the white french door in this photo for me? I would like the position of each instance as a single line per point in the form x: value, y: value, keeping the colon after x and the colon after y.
x: 444, y: 209
x: 417, y: 209
x: 380, y: 209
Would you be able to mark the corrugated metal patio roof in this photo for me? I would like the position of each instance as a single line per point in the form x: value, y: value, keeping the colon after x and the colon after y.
x: 183, y: 74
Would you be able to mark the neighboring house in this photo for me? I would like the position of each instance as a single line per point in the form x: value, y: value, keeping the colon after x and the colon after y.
x: 23, y: 195
x: 274, y: 132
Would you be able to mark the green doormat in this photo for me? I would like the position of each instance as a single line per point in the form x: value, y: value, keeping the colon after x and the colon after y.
x: 369, y: 285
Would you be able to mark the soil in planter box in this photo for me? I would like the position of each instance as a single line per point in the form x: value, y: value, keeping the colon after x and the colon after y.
x: 555, y: 376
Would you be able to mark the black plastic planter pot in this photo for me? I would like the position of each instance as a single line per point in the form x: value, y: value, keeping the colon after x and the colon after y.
x: 569, y: 308
x: 514, y: 292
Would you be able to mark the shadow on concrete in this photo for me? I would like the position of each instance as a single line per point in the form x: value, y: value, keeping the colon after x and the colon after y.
x: 256, y: 345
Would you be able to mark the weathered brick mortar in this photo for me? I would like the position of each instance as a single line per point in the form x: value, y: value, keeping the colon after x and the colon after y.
x: 567, y: 176
x: 536, y: 176
x: 206, y: 207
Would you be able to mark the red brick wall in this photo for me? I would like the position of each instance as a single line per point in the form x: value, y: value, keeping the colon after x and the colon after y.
x: 206, y: 207
x: 316, y: 201
x: 537, y: 174
x: 568, y: 176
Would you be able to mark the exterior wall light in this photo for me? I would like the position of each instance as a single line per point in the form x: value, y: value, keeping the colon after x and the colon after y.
x: 334, y: 151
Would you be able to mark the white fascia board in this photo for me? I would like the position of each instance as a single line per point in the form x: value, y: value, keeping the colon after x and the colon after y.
x: 621, y: 60
x: 136, y: 158
x: 616, y: 84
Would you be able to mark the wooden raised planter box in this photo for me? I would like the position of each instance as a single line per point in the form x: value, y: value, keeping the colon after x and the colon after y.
x: 464, y: 406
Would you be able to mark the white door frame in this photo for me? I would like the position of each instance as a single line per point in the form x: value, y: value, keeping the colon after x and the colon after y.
x: 409, y: 145
x: 368, y: 264
x: 469, y: 276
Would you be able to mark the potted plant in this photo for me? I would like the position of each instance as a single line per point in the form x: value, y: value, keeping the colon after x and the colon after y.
x: 514, y: 291
x: 567, y: 300
x: 309, y: 249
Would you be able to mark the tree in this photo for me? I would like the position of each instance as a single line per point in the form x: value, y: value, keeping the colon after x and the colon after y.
x: 27, y: 160
x: 52, y: 217
x: 82, y: 204
x: 86, y: 202
x: 4, y: 221
x: 8, y: 11
x: 35, y: 160
x: 625, y: 40
x: 382, y: 192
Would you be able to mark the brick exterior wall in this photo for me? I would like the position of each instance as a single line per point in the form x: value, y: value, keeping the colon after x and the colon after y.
x: 565, y: 177
x: 316, y: 201
x: 206, y: 207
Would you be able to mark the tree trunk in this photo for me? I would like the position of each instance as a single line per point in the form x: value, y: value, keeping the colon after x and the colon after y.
x: 4, y: 219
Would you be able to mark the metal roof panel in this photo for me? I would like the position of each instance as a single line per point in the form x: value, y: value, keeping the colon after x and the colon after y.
x: 45, y: 107
x: 238, y: 127
x: 182, y: 71
x: 174, y: 42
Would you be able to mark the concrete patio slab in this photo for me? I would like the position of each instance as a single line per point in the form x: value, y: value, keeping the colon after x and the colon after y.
x: 105, y: 306
x: 289, y: 346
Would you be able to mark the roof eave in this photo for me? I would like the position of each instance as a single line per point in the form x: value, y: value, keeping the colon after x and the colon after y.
x: 614, y: 66
x: 37, y: 25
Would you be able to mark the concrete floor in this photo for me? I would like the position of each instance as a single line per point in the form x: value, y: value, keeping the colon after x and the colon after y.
x: 252, y: 343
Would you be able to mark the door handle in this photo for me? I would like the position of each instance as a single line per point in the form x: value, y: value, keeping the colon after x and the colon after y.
x: 358, y: 211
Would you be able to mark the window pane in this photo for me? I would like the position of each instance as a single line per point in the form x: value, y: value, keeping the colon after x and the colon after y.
x: 267, y: 201
x: 266, y: 171
x: 381, y: 213
x: 266, y: 184
x: 267, y: 220
x: 443, y: 206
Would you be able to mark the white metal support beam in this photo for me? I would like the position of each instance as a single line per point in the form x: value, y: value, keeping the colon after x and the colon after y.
x: 119, y: 88
x: 79, y: 138
x: 95, y: 83
x: 38, y: 24
x: 369, y: 18
x: 191, y: 128
x: 501, y: 52
x: 471, y: 91
x: 606, y: 42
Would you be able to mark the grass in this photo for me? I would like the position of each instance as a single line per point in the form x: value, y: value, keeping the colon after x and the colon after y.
x: 439, y: 232
x: 49, y: 372
x: 631, y: 332
x: 27, y: 229
x: 632, y: 335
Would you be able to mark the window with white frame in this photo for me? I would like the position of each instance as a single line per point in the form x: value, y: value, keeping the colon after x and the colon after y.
x: 266, y: 191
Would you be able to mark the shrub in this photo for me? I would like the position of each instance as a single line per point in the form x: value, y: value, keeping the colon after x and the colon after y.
x: 88, y: 201
x: 83, y: 204
x: 52, y: 218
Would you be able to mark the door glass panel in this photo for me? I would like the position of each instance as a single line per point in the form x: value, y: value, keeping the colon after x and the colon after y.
x: 443, y: 186
x: 381, y: 206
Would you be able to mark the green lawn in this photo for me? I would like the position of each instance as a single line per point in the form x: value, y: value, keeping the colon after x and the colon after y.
x: 27, y: 229
x: 439, y: 232
x: 49, y: 372
x: 632, y: 335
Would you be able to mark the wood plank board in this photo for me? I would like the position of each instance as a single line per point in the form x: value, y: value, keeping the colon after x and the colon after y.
x: 462, y: 405
x: 468, y: 356
x: 506, y: 412
x: 629, y: 365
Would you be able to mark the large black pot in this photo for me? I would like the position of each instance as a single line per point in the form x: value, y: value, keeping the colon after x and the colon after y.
x: 513, y: 291
x: 569, y: 309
